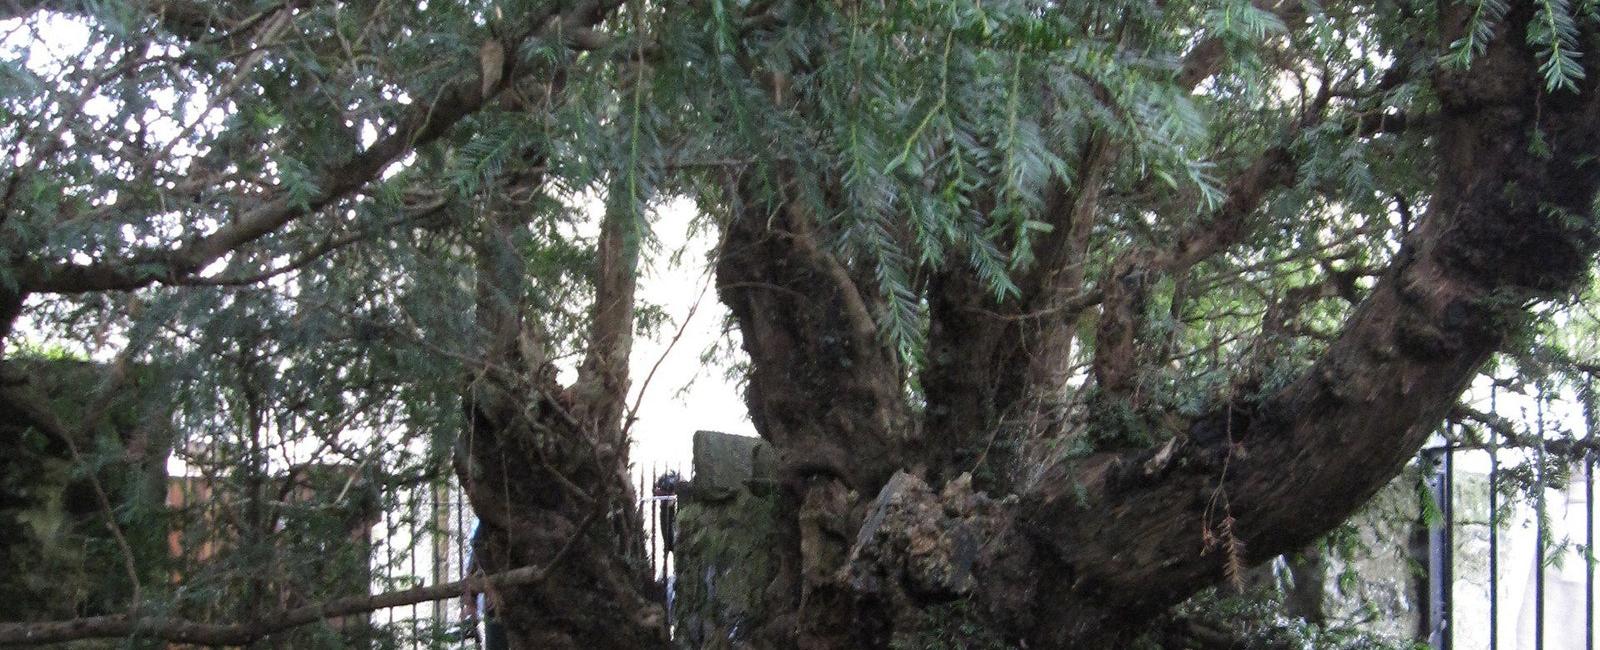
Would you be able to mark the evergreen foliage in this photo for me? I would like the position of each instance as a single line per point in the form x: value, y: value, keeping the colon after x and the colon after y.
x: 918, y: 136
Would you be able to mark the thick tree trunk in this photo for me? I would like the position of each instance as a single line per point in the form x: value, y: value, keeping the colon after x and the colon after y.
x: 1088, y: 555
x: 823, y: 387
x: 547, y: 468
x: 827, y: 392
x: 540, y: 486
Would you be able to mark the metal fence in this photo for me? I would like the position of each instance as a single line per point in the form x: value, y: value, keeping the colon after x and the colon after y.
x: 1513, y: 568
x: 1462, y: 581
x: 427, y: 541
x: 424, y: 539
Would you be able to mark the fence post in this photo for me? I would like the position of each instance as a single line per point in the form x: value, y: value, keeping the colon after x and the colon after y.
x: 1439, y: 549
x: 1588, y: 516
x: 1540, y: 534
x: 1494, y: 522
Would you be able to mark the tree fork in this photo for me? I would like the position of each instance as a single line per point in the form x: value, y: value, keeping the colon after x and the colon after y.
x: 1499, y: 231
x: 824, y: 388
x: 536, y: 459
x: 995, y: 368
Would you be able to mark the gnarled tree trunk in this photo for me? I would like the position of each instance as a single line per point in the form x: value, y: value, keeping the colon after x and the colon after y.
x: 546, y: 467
x: 885, y: 530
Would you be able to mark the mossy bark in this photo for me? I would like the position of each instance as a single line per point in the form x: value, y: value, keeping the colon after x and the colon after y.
x: 51, y: 520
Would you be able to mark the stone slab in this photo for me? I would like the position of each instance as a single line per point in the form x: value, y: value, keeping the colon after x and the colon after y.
x: 722, y: 461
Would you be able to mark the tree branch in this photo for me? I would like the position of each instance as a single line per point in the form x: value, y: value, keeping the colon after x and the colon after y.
x: 1277, y: 471
x: 237, y: 634
x: 602, y: 385
x: 1205, y: 59
x: 426, y: 123
x: 1510, y: 436
x: 328, y: 245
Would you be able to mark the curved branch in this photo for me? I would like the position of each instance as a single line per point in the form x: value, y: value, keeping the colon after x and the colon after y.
x: 322, y: 249
x: 425, y: 124
x: 1272, y: 475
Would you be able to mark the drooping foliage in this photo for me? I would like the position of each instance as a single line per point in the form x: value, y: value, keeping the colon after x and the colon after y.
x: 274, y: 210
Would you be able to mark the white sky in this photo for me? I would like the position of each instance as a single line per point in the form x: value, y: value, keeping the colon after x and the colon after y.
x: 668, y: 419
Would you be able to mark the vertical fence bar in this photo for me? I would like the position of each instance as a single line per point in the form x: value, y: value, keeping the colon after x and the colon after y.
x: 388, y: 558
x: 1447, y: 595
x: 458, y: 535
x: 655, y: 474
x: 413, y: 509
x: 1588, y: 516
x: 443, y: 516
x: 1539, y: 531
x: 438, y: 552
x: 1438, y: 553
x: 461, y: 540
x: 1494, y: 522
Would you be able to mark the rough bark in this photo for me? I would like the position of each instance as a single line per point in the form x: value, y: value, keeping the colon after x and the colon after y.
x: 823, y: 386
x: 543, y: 465
x: 825, y: 390
x: 966, y: 334
x: 1506, y: 224
x: 1089, y: 554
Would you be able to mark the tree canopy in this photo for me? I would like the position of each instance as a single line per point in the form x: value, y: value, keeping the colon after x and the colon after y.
x: 1177, y: 285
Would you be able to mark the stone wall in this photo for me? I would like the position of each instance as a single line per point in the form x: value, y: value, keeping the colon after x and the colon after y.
x: 52, y: 523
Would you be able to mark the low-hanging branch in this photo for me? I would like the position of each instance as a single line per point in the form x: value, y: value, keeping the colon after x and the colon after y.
x: 177, y: 630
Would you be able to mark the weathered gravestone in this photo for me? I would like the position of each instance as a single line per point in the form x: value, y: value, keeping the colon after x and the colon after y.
x: 724, y: 530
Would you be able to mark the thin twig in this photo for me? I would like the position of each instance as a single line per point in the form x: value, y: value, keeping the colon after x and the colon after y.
x: 627, y: 422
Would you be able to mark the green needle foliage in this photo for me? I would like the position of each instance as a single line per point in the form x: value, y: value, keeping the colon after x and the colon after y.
x: 918, y: 135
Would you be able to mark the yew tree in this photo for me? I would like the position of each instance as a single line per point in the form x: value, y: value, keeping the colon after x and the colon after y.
x: 1061, y: 311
